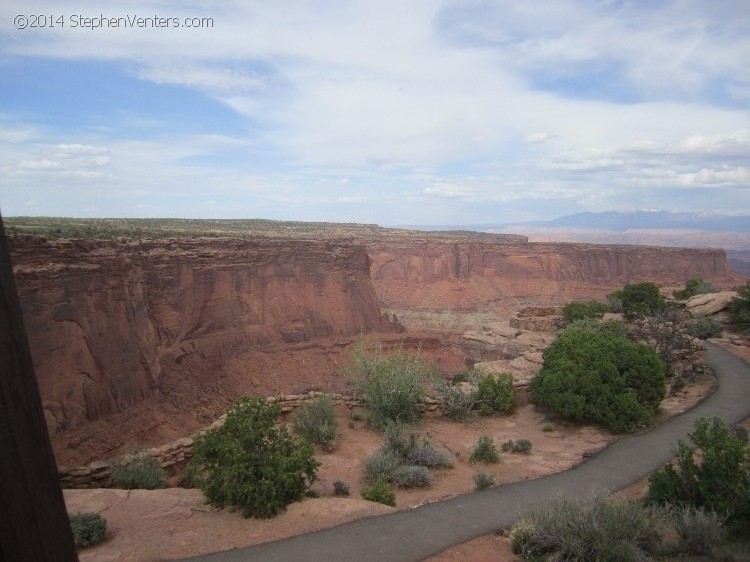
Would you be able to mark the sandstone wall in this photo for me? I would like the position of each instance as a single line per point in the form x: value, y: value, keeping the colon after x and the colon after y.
x: 477, y: 275
x: 109, y: 321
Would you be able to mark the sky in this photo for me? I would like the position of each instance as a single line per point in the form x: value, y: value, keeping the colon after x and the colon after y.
x: 376, y: 111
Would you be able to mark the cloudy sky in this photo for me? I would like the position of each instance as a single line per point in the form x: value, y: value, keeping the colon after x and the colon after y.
x: 395, y: 112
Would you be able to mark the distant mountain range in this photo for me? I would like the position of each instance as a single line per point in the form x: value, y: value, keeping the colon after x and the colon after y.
x: 631, y: 220
x: 618, y: 221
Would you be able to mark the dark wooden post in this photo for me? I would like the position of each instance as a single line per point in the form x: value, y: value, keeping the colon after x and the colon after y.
x: 33, y: 521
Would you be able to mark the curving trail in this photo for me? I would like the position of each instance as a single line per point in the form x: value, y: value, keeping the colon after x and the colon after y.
x: 416, y: 534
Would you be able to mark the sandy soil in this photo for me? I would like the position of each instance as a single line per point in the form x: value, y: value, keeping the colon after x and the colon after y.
x: 163, y: 524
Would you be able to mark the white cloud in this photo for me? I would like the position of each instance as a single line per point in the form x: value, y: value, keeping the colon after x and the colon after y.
x: 430, y: 101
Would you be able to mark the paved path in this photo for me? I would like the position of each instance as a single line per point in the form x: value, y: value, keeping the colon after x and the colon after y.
x: 415, y: 534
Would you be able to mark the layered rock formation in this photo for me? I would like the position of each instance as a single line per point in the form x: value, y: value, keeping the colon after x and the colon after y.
x: 503, y: 276
x: 110, y: 322
x: 158, y: 336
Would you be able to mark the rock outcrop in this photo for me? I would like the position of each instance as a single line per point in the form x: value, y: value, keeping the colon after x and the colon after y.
x: 109, y: 322
x: 485, y: 274
x: 709, y: 303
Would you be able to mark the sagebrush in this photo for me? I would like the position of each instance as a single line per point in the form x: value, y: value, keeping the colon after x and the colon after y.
x: 315, y: 421
x: 139, y: 471
x: 89, y: 529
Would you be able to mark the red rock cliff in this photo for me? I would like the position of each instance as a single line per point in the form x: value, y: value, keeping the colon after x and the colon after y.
x: 475, y: 275
x: 108, y: 321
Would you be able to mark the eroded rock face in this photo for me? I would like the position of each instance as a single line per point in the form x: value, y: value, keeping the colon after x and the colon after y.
x: 108, y: 321
x: 506, y: 276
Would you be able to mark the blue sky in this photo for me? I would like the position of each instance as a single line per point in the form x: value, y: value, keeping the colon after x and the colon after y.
x: 409, y: 112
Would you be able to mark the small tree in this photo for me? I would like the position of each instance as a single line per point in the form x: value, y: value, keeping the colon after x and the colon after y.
x: 739, y: 309
x: 712, y: 473
x: 252, y: 464
x: 668, y: 335
x: 601, y: 377
x: 638, y: 299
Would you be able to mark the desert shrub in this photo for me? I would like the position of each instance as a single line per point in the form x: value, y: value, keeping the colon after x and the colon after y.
x: 522, y: 446
x: 637, y: 299
x: 316, y: 422
x: 496, y: 394
x: 578, y: 310
x: 409, y: 476
x: 590, y: 376
x: 507, y: 447
x: 666, y: 333
x: 587, y: 530
x: 694, y: 287
x: 379, y: 491
x: 719, y: 482
x: 251, y: 463
x: 485, y: 451
x: 702, y: 531
x: 739, y: 309
x: 410, y: 450
x: 548, y: 427
x: 458, y: 400
x: 613, y: 327
x: 140, y: 471
x: 340, y: 488
x: 393, y: 383
x: 703, y: 327
x: 382, y: 464
x: 483, y: 480
x: 88, y: 528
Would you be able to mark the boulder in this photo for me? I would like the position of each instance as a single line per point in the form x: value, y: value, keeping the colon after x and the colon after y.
x: 710, y: 303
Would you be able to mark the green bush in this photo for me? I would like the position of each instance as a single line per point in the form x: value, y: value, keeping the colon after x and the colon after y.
x: 485, y: 451
x: 483, y: 480
x: 409, y: 476
x: 316, y: 422
x: 496, y: 395
x: 578, y: 310
x: 138, y: 472
x: 88, y: 528
x: 380, y: 491
x: 507, y: 447
x: 720, y: 482
x: 586, y: 530
x: 637, y: 299
x: 393, y: 383
x: 739, y: 309
x: 694, y: 287
x: 613, y: 327
x: 340, y: 488
x: 593, y: 376
x: 252, y: 464
x: 703, y: 327
x: 522, y: 446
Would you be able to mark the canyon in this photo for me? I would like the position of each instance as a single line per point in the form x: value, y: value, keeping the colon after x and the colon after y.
x: 137, y: 341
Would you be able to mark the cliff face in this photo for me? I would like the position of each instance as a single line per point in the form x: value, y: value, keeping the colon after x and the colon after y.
x: 475, y: 275
x: 110, y: 322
